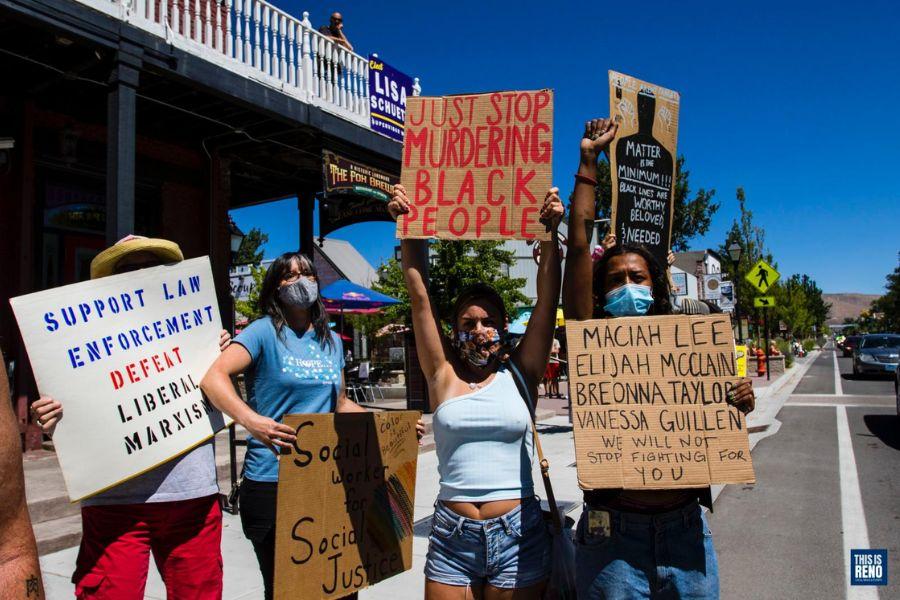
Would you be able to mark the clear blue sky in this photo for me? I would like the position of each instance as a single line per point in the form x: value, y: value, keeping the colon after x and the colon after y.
x: 795, y: 101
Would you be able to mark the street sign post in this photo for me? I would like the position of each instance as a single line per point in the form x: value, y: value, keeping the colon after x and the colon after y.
x: 762, y: 276
x: 764, y: 302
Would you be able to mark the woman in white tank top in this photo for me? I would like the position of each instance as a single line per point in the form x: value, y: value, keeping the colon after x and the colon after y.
x: 487, y: 532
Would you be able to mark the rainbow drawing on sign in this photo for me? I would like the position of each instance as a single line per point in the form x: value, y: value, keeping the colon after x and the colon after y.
x: 390, y: 517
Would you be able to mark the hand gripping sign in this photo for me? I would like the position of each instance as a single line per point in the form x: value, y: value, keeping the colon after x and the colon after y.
x: 125, y: 355
x: 477, y: 166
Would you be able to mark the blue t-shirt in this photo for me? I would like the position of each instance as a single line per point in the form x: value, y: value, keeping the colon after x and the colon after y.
x: 289, y: 374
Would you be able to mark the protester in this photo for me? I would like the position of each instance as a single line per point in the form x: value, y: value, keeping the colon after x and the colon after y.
x: 20, y: 573
x: 773, y: 349
x: 335, y: 31
x: 171, y: 511
x: 632, y: 544
x: 551, y: 374
x: 293, y: 363
x: 482, y: 429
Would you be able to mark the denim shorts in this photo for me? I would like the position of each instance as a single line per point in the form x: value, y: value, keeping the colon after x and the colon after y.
x: 510, y: 551
x: 665, y: 555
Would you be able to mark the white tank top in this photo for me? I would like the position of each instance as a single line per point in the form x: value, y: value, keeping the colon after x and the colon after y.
x: 484, y: 444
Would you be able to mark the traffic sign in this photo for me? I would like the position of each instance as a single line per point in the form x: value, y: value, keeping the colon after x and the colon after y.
x: 764, y: 302
x: 762, y: 276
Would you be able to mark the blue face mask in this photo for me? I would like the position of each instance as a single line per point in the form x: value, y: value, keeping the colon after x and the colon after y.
x: 629, y: 300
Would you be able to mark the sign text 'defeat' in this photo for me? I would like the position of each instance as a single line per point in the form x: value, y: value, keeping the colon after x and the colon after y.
x: 649, y: 403
x: 346, y: 493
x: 477, y: 166
x: 125, y: 355
x: 643, y: 162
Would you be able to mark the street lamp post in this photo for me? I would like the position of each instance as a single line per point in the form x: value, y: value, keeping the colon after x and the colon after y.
x: 237, y: 238
x: 734, y: 251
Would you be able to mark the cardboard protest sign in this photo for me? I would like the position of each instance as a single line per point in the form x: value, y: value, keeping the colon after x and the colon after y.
x: 477, y: 166
x: 125, y: 355
x: 346, y: 493
x: 643, y: 162
x: 649, y: 403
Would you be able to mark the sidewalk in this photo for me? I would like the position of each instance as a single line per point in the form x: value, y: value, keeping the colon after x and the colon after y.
x: 243, y: 582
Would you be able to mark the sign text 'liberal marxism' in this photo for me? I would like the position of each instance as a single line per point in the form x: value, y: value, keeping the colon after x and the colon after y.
x: 649, y: 403
x: 477, y: 166
x: 643, y: 166
x: 345, y: 503
x: 125, y: 354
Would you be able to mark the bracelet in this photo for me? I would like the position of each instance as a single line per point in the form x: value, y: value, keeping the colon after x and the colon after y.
x: 585, y: 179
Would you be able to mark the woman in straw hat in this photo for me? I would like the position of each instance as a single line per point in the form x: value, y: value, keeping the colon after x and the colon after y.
x: 171, y: 511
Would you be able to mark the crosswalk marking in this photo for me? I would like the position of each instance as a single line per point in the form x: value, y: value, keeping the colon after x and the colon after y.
x: 838, y: 388
x: 853, y: 517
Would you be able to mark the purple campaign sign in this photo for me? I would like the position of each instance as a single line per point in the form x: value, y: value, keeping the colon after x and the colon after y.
x: 388, y: 90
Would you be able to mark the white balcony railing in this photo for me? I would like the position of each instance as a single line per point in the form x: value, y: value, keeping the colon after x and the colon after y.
x: 257, y: 40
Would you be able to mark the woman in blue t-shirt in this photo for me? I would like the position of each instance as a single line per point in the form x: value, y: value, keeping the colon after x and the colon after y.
x: 292, y: 363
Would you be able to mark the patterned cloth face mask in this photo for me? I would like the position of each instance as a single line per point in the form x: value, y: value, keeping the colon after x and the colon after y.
x: 301, y: 294
x: 471, y: 345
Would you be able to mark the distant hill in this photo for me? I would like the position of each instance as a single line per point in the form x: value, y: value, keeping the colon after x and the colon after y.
x: 847, y: 305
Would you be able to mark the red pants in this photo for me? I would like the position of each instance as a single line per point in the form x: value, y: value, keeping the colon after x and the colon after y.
x: 185, y: 537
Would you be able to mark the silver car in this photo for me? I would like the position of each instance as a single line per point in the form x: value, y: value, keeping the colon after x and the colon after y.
x: 877, y: 354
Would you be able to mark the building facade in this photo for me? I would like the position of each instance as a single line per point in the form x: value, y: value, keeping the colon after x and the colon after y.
x: 157, y: 117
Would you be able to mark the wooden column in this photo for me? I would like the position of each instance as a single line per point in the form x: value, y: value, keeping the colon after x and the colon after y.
x: 121, y: 141
x: 305, y: 205
x: 219, y: 235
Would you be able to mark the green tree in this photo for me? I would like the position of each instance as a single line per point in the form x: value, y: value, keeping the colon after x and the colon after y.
x: 751, y: 238
x: 692, y: 215
x: 250, y: 252
x: 250, y: 307
x: 793, y: 306
x: 889, y: 305
x: 454, y: 265
x: 819, y: 310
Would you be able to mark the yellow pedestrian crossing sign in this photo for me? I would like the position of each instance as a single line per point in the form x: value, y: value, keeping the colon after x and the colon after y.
x: 764, y: 302
x: 762, y: 276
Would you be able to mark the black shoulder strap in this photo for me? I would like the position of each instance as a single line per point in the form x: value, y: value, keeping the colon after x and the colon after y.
x: 522, y: 385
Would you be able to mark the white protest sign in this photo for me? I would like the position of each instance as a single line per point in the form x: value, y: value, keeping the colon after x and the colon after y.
x: 125, y: 355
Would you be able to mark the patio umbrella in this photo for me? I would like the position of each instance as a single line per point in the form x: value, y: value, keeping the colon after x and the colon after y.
x: 346, y: 295
x: 517, y: 327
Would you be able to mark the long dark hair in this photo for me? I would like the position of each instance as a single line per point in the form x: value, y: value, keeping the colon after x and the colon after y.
x: 660, y: 282
x: 271, y: 306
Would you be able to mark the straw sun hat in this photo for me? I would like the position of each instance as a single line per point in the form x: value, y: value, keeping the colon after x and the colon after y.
x: 105, y: 263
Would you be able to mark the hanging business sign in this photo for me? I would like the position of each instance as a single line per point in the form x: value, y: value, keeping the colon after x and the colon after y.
x: 354, y: 193
x: 679, y: 284
x: 388, y: 91
x: 712, y: 283
x: 643, y: 162
x: 726, y: 296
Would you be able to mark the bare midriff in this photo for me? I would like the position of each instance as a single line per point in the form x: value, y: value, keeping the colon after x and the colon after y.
x: 480, y: 511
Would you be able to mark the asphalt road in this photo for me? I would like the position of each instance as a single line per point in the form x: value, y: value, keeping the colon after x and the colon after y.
x: 785, y: 536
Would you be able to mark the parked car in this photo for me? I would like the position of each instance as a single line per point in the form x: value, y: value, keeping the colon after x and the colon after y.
x: 849, y: 345
x: 877, y: 353
x: 897, y: 389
